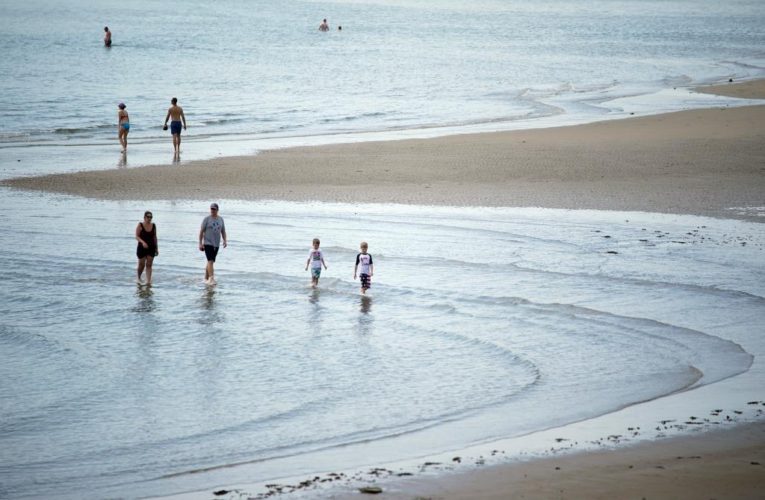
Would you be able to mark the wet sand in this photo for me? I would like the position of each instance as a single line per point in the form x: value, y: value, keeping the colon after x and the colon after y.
x: 694, y: 162
x: 744, y: 90
x: 719, y: 464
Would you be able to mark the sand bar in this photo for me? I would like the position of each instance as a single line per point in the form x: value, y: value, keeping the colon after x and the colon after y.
x: 695, y: 162
x: 745, y: 90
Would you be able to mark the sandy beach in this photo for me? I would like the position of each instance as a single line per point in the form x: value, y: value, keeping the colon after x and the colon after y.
x: 722, y: 464
x: 703, y: 162
x: 564, y: 205
x: 700, y: 162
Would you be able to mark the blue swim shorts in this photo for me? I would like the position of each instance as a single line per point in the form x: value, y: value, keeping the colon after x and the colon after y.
x: 315, y: 272
x: 175, y: 127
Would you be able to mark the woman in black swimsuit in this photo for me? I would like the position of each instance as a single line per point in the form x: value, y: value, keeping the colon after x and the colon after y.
x: 148, y: 248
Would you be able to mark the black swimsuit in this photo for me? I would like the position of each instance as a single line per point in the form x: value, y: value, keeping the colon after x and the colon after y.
x: 150, y: 238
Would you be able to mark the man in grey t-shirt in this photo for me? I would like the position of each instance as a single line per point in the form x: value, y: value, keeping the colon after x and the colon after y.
x: 210, y: 233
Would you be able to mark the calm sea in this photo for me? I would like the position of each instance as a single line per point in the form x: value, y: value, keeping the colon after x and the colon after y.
x: 481, y: 323
x: 257, y: 74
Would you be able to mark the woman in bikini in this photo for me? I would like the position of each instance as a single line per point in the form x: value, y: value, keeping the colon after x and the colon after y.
x: 148, y: 247
x: 123, y: 126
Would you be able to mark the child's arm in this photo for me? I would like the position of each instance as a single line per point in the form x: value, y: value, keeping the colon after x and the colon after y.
x: 322, y: 261
x: 371, y: 270
x: 307, y: 262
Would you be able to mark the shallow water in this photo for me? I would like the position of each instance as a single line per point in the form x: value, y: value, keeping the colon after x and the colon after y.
x: 254, y: 75
x: 481, y: 323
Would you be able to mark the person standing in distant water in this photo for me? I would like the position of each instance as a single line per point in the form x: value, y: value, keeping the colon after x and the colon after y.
x: 107, y: 37
x: 175, y: 113
x: 148, y: 247
x: 324, y: 26
x: 123, y: 126
x: 210, y: 234
x: 315, y: 260
x: 365, y: 266
x: 339, y: 28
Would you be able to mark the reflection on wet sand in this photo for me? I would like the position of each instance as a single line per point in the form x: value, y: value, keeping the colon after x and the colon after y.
x: 122, y: 162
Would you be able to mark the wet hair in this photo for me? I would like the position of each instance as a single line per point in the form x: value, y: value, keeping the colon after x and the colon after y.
x: 148, y: 212
x: 106, y: 28
x: 316, y: 241
x: 325, y: 20
x: 364, y: 244
x: 121, y: 105
x: 174, y: 100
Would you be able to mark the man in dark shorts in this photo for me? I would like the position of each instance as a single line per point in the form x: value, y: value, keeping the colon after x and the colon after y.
x: 178, y: 119
x: 210, y: 234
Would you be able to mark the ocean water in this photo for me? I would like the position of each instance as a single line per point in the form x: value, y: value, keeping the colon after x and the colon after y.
x: 481, y: 324
x: 258, y: 74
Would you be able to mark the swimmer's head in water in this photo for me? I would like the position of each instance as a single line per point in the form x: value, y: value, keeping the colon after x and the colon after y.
x: 174, y: 100
x: 121, y: 105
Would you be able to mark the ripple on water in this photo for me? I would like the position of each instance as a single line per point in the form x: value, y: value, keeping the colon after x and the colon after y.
x: 479, y: 324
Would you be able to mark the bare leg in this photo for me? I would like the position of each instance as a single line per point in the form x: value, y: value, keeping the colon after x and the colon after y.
x: 149, y: 262
x: 209, y: 271
x: 141, y: 266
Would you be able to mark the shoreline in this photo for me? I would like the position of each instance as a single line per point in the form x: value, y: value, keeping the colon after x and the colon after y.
x: 722, y: 457
x: 725, y: 463
x: 647, y: 468
x: 700, y: 162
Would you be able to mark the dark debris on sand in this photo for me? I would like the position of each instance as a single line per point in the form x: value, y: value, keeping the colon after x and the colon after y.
x: 362, y: 479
